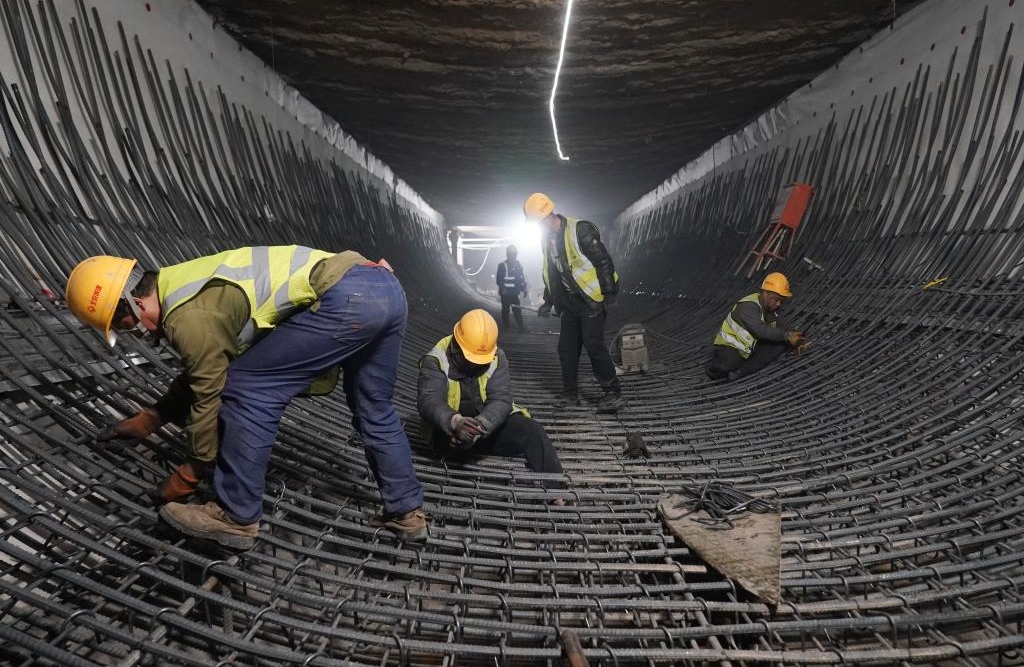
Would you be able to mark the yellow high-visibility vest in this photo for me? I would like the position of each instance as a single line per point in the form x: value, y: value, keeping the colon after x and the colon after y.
x: 275, y: 280
x: 733, y: 334
x: 440, y: 352
x: 584, y: 273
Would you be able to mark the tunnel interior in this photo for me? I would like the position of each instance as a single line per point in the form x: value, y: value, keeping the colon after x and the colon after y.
x: 892, y: 446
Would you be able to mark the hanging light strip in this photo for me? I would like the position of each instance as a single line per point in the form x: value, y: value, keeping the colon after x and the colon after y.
x: 554, y: 86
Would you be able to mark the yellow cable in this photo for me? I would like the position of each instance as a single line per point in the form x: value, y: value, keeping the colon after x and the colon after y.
x: 937, y: 281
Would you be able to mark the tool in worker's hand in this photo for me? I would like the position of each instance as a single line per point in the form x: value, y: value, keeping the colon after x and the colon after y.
x: 544, y: 310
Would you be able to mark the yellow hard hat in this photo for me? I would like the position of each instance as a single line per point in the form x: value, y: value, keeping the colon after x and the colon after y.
x: 96, y: 286
x: 778, y: 283
x: 538, y: 206
x: 477, y: 335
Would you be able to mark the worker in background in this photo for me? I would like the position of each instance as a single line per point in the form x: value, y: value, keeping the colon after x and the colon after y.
x: 580, y: 282
x: 297, y: 313
x: 465, y: 398
x: 754, y: 332
x: 511, y: 285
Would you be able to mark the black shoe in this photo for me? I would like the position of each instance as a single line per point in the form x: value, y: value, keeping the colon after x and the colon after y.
x: 566, y: 401
x: 610, y: 403
x: 733, y: 376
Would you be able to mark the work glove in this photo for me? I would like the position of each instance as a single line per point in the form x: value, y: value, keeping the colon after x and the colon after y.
x: 609, y: 300
x: 544, y: 310
x: 135, y: 427
x: 465, y: 431
x: 797, y: 341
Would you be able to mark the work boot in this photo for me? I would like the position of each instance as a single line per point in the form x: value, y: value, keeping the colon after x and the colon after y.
x: 567, y: 400
x: 408, y: 527
x: 181, y: 483
x: 210, y: 522
x: 610, y: 402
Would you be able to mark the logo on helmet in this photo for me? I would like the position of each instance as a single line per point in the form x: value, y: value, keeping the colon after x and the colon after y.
x: 94, y: 298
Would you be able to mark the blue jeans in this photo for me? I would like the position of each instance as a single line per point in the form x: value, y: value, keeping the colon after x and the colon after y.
x: 359, y: 324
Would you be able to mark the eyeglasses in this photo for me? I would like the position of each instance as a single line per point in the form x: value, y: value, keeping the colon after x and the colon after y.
x: 126, y: 308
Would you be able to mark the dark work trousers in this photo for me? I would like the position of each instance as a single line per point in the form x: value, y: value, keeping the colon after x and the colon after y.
x: 519, y: 436
x: 359, y: 324
x: 584, y: 328
x: 510, y: 301
x: 725, y: 359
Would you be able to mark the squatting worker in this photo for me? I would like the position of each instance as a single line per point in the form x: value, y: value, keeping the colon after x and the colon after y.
x: 581, y: 283
x: 754, y: 332
x: 297, y: 314
x: 464, y: 396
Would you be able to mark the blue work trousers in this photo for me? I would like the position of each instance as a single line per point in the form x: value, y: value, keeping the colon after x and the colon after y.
x: 359, y: 324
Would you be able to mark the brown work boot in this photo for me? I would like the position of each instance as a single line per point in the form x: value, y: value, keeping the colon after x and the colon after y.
x: 210, y: 522
x: 409, y: 527
x: 181, y: 483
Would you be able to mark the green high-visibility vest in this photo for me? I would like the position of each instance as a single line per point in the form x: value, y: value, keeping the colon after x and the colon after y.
x: 275, y: 280
x: 440, y: 353
x: 584, y: 273
x: 733, y: 334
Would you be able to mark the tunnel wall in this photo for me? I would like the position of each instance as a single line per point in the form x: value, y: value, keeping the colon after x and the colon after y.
x: 912, y: 144
x: 142, y: 128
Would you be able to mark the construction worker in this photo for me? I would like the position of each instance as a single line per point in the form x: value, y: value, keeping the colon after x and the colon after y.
x: 754, y: 332
x: 465, y: 398
x: 511, y: 284
x: 297, y: 313
x: 580, y: 282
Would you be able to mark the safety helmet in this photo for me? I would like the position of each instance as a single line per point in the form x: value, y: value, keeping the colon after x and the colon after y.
x: 477, y: 336
x: 96, y: 286
x: 511, y: 250
x: 538, y: 206
x: 778, y: 283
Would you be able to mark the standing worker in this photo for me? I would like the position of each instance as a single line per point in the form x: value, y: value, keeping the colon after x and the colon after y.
x: 511, y: 284
x: 464, y: 395
x: 581, y: 283
x: 754, y: 332
x: 304, y: 312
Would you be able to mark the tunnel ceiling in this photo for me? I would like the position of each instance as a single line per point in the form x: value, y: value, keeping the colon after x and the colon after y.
x: 453, y: 94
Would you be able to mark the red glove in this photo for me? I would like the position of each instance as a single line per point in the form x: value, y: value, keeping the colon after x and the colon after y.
x: 135, y: 427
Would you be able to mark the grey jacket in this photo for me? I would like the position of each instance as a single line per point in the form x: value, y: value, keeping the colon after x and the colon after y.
x: 432, y: 395
x: 773, y: 328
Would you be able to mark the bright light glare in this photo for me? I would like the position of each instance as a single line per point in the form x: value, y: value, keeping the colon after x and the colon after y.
x: 527, y: 236
x: 554, y: 86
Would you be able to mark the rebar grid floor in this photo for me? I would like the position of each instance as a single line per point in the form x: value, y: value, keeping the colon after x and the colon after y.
x: 901, y: 524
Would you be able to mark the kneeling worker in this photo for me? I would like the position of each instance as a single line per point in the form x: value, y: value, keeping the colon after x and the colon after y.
x: 465, y: 398
x: 754, y: 332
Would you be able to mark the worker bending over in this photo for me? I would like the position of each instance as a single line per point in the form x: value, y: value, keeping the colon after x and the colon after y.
x: 297, y: 313
x: 754, y: 332
x: 511, y: 284
x: 581, y: 283
x: 465, y: 398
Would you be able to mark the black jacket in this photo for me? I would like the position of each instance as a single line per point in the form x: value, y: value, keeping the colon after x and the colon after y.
x: 590, y: 242
x: 432, y: 395
x: 516, y: 272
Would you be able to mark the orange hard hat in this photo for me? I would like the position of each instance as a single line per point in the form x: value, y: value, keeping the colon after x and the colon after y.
x: 477, y: 335
x: 96, y: 286
x: 538, y: 206
x: 778, y: 283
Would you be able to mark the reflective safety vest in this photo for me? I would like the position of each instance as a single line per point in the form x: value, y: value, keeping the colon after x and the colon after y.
x: 440, y: 352
x: 584, y: 273
x: 734, y: 335
x: 511, y: 280
x: 275, y: 280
